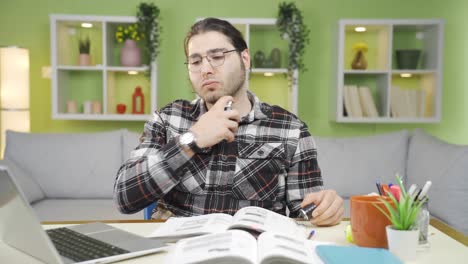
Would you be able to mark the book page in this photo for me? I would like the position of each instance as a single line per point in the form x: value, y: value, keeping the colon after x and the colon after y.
x: 259, y: 220
x: 279, y: 248
x: 233, y: 246
x: 176, y: 228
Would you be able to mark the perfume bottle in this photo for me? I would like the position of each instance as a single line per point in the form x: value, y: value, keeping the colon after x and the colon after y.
x: 138, y: 101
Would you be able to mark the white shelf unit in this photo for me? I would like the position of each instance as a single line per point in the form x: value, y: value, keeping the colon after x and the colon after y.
x: 104, y: 80
x: 258, y: 34
x: 420, y: 101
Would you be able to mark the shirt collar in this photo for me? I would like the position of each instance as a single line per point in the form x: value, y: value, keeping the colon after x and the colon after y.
x: 258, y: 111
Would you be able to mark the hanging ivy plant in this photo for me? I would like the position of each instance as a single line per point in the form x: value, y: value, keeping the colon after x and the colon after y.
x: 293, y: 29
x: 148, y: 23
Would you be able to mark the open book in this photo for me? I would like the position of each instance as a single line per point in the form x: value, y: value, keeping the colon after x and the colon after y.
x: 253, y: 219
x: 236, y: 246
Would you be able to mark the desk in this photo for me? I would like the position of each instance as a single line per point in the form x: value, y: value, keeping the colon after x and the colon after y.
x: 443, y: 249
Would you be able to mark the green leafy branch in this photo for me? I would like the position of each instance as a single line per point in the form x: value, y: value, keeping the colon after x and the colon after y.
x: 292, y: 28
x: 148, y: 24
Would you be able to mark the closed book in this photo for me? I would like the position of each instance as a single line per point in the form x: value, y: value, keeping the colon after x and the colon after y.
x: 332, y: 254
x: 367, y: 102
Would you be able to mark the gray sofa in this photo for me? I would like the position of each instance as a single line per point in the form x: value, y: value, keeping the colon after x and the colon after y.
x: 71, y: 176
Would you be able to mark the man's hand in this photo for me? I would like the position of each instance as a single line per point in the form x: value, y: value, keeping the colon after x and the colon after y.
x: 216, y: 124
x: 329, y: 209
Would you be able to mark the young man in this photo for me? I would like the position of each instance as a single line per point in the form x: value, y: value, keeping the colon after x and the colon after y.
x: 200, y: 158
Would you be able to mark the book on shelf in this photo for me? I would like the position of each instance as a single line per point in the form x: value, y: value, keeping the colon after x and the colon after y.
x: 240, y: 247
x: 255, y: 220
x: 409, y: 103
x: 347, y: 101
x: 367, y: 102
x: 355, y: 104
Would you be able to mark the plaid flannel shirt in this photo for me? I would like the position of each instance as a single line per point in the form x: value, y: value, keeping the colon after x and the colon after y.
x: 272, y: 163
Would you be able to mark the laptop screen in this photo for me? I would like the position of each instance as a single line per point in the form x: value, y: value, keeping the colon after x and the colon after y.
x: 19, y: 226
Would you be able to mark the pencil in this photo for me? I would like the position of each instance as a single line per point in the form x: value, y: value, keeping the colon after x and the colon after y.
x: 311, y: 234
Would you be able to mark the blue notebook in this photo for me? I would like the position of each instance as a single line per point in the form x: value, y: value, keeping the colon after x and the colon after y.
x: 355, y: 255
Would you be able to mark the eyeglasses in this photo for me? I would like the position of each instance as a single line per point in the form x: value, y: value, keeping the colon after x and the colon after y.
x: 215, y: 59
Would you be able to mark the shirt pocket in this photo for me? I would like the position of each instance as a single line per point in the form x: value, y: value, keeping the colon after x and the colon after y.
x: 260, y: 171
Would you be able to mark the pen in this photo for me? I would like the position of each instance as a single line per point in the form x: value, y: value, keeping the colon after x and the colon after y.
x: 307, y: 211
x: 395, y: 190
x: 424, y: 190
x: 377, y: 184
x: 385, y: 189
x: 412, y: 188
x: 311, y: 234
x: 417, y: 195
x: 228, y: 106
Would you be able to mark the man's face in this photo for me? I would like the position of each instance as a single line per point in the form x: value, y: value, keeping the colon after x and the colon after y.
x: 211, y: 83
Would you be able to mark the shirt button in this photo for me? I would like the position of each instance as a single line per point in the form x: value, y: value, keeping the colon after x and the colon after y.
x: 260, y: 152
x: 224, y: 158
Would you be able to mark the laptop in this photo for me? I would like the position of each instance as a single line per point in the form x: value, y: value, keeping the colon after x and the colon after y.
x: 85, y: 243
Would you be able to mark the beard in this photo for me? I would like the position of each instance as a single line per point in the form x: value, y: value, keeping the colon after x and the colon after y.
x: 232, y: 86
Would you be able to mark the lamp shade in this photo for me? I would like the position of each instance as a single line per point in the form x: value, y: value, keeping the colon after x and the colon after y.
x: 14, y: 78
x: 14, y: 91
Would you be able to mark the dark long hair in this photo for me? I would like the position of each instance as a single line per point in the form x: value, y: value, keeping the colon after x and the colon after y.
x: 219, y: 25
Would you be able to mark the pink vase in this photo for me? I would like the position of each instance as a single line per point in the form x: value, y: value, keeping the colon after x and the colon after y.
x: 130, y: 55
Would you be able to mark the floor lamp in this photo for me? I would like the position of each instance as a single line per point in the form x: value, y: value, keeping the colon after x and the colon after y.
x: 14, y: 91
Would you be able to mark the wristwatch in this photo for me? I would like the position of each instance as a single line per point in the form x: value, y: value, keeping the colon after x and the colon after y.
x: 189, y: 140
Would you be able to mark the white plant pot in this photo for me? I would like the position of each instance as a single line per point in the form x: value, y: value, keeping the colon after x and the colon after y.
x: 403, y: 243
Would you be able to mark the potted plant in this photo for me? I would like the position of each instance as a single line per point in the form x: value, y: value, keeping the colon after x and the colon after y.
x: 84, y: 48
x: 148, y: 22
x: 403, y: 234
x: 294, y: 30
x: 130, y: 54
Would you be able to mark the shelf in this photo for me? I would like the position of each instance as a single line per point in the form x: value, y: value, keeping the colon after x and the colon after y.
x: 104, y: 83
x: 408, y: 95
x: 80, y: 68
x: 122, y: 117
x: 269, y: 70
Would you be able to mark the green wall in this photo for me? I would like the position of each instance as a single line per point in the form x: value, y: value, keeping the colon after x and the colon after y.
x: 26, y: 23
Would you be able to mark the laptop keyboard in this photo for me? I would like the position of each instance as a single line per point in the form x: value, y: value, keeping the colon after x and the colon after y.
x: 79, y: 247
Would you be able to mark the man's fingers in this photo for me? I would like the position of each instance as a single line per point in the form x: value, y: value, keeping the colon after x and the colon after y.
x: 331, y: 211
x: 233, y: 115
x: 332, y: 220
x: 232, y: 125
x: 311, y: 198
x: 221, y: 103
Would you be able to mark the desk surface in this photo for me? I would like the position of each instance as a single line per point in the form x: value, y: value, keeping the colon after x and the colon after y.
x: 441, y: 248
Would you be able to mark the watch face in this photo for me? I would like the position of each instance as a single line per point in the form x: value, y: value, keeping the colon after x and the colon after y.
x: 186, y: 138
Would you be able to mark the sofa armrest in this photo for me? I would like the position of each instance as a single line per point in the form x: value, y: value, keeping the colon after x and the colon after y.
x: 28, y: 185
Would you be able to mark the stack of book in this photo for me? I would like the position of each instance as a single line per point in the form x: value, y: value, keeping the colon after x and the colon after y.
x: 410, y: 102
x: 358, y: 101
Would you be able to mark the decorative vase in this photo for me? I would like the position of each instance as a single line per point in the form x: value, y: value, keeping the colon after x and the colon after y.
x: 403, y: 243
x: 259, y: 59
x: 275, y: 58
x: 130, y: 54
x: 84, y: 59
x: 359, y: 61
x: 407, y: 59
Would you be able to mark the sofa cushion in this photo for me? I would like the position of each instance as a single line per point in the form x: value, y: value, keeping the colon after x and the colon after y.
x: 80, y: 209
x: 68, y: 165
x: 130, y: 142
x: 27, y: 184
x: 352, y: 165
x: 446, y: 165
